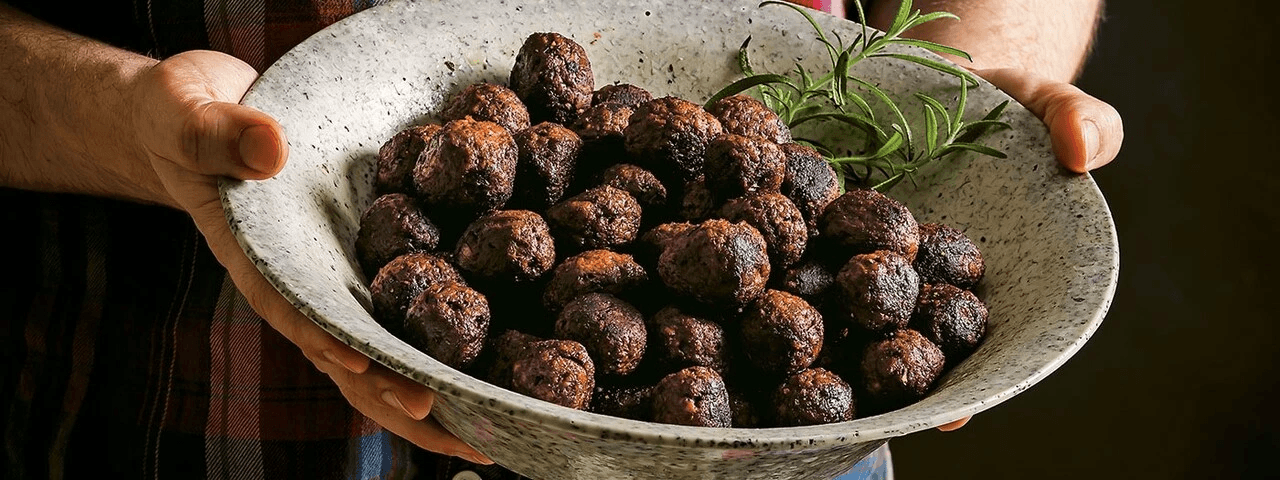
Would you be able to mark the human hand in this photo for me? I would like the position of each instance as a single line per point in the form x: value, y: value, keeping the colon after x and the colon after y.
x: 189, y: 125
x: 1086, y: 132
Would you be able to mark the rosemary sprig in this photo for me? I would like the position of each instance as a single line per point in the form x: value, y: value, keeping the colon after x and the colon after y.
x: 890, y: 151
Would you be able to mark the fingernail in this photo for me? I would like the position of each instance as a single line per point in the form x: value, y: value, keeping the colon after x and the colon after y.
x: 328, y: 355
x: 259, y: 148
x: 1092, y: 144
x: 389, y: 397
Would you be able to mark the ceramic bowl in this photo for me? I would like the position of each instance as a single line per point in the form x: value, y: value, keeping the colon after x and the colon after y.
x: 1047, y: 234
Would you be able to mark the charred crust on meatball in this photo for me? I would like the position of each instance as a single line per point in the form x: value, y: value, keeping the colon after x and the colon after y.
x: 488, y: 102
x: 552, y: 76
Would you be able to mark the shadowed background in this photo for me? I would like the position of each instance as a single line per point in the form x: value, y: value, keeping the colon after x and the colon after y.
x: 1183, y: 378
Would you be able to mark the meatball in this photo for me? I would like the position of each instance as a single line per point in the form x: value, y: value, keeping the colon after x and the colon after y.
x: 717, y: 262
x: 490, y: 103
x: 900, y: 369
x: 640, y: 183
x: 623, y: 94
x: 695, y: 396
x: 814, y: 396
x: 469, y: 168
x: 746, y: 116
x: 391, y: 227
x: 612, y: 330
x: 556, y: 371
x: 950, y: 317
x: 601, y: 128
x: 397, y: 157
x: 653, y: 241
x: 947, y: 255
x: 601, y: 217
x: 448, y: 321
x: 552, y: 75
x: 738, y: 165
x: 809, y: 182
x: 777, y: 220
x: 678, y: 340
x: 505, y: 349
x: 401, y: 280
x: 781, y: 333
x: 810, y: 280
x: 506, y: 246
x: 697, y: 201
x: 548, y: 154
x: 631, y: 402
x: 669, y: 136
x: 866, y: 221
x: 878, y: 290
x: 592, y: 271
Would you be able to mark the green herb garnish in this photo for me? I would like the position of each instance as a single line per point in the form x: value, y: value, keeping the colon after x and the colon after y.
x: 889, y: 151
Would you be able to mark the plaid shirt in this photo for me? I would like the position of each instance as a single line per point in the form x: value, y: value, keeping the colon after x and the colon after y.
x: 126, y: 348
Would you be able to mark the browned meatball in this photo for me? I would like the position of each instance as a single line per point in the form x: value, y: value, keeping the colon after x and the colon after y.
x: 810, y: 280
x: 552, y: 75
x: 640, y: 183
x: 612, y: 330
x: 591, y: 271
x: 601, y: 128
x: 623, y: 94
x: 950, y: 317
x: 448, y: 321
x: 397, y: 157
x: 391, y: 227
x: 781, y: 333
x: 469, y: 168
x: 601, y: 217
x: 401, y: 280
x: 488, y: 102
x: 878, y: 290
x: 506, y: 348
x: 718, y: 263
x: 633, y: 402
x: 697, y: 201
x: 548, y: 154
x: 744, y: 115
x: 678, y: 340
x: 652, y: 242
x: 810, y: 182
x: 900, y: 369
x: 556, y: 371
x: 738, y: 165
x: 669, y: 136
x: 777, y: 220
x: 814, y: 396
x: 695, y: 396
x: 866, y: 221
x: 507, y: 246
x: 947, y: 255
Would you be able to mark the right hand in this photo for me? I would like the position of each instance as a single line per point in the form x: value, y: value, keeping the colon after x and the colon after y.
x: 192, y: 130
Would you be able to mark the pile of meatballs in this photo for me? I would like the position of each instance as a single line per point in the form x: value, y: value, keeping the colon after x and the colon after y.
x: 646, y: 258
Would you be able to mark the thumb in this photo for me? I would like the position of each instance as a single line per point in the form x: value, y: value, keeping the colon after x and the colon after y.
x: 187, y: 114
x: 1086, y: 132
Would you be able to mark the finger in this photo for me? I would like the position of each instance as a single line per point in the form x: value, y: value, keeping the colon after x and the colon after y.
x: 1086, y: 132
x: 187, y: 113
x: 954, y: 425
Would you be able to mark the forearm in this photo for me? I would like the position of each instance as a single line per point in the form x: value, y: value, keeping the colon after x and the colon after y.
x: 1049, y: 38
x: 65, y: 114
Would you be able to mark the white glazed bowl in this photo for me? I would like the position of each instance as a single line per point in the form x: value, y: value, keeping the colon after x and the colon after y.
x: 1047, y: 235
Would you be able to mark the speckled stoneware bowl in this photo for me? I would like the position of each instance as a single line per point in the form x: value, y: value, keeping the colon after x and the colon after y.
x: 1047, y: 235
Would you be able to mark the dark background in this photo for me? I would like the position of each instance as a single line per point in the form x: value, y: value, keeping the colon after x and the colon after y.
x: 1181, y: 380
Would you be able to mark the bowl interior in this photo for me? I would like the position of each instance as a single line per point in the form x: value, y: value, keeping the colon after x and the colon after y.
x: 1047, y: 235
